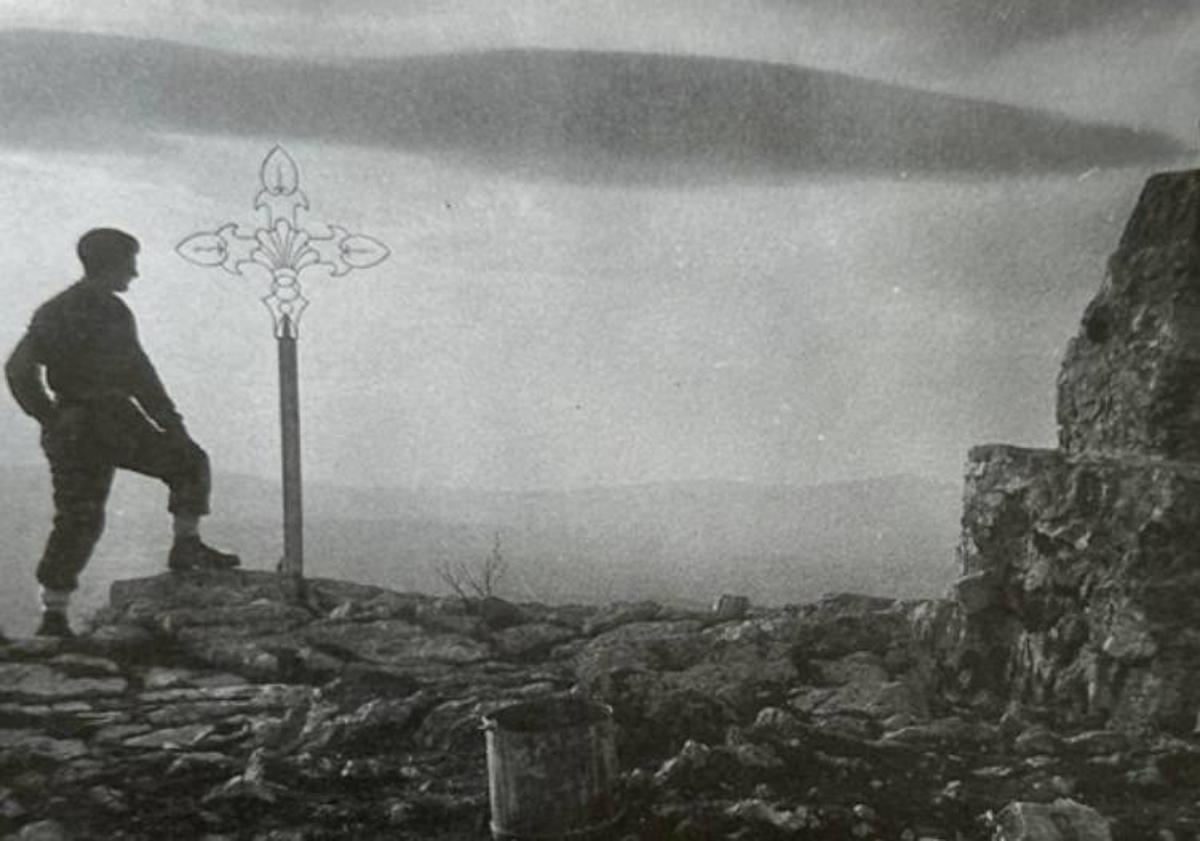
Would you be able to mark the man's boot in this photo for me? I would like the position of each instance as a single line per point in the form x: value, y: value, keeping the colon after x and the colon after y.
x: 54, y: 624
x: 190, y: 553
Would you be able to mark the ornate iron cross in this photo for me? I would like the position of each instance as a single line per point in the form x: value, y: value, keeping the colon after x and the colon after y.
x: 285, y: 250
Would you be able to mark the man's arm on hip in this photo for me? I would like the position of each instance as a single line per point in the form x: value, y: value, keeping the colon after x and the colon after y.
x: 24, y: 374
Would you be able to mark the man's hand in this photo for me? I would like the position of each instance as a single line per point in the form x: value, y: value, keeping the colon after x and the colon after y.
x: 23, y: 372
x: 61, y: 428
x: 48, y: 418
x: 47, y: 421
x: 176, y: 432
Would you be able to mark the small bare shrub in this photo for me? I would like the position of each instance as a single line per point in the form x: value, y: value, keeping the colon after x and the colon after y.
x: 478, y: 581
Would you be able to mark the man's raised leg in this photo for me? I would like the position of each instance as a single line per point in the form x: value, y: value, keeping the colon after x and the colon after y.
x: 179, y: 461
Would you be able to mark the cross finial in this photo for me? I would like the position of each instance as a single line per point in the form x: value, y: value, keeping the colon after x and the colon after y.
x: 282, y: 246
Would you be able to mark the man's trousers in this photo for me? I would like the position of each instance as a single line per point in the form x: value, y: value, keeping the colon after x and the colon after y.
x: 85, y: 443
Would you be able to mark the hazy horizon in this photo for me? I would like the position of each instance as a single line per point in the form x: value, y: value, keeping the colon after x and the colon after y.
x: 672, y: 542
x: 36, y: 462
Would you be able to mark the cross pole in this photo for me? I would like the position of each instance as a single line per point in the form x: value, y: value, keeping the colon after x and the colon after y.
x: 285, y: 250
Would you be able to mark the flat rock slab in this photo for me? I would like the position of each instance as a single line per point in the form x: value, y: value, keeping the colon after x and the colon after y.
x: 183, y: 706
x: 118, y: 733
x: 33, y: 648
x: 165, y: 678
x: 122, y: 641
x: 261, y: 616
x: 950, y: 730
x: 43, y: 831
x: 83, y: 665
x: 217, y: 589
x: 622, y: 613
x: 36, y: 745
x: 259, y: 695
x: 879, y: 700
x: 394, y: 641
x: 44, y: 683
x: 1062, y: 820
x: 647, y: 646
x: 171, y: 738
x: 523, y: 641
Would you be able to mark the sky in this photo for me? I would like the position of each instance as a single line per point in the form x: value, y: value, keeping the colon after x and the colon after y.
x: 773, y: 241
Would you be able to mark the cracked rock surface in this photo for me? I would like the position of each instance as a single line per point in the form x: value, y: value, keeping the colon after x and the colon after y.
x: 223, y: 706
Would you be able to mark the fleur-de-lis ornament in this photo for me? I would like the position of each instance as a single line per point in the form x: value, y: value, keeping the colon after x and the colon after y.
x: 284, y: 249
x: 281, y: 246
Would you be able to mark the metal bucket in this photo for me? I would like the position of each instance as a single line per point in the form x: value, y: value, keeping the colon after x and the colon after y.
x: 551, y: 768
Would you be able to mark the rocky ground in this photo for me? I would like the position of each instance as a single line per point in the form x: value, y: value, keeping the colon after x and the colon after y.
x: 224, y: 706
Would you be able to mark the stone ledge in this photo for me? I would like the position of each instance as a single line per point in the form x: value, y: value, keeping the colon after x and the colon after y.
x: 1091, y: 566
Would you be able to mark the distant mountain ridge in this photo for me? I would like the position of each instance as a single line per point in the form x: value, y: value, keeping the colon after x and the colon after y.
x: 573, y: 115
x: 683, y: 542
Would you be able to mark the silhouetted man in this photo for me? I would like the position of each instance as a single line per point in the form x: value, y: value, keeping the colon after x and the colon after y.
x: 106, y: 408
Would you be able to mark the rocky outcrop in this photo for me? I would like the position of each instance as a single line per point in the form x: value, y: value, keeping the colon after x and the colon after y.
x: 229, y: 706
x: 1128, y: 382
x: 1081, y: 565
x: 1092, y: 578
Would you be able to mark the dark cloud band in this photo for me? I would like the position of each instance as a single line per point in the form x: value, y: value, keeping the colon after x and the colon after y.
x: 983, y: 28
x: 580, y: 116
